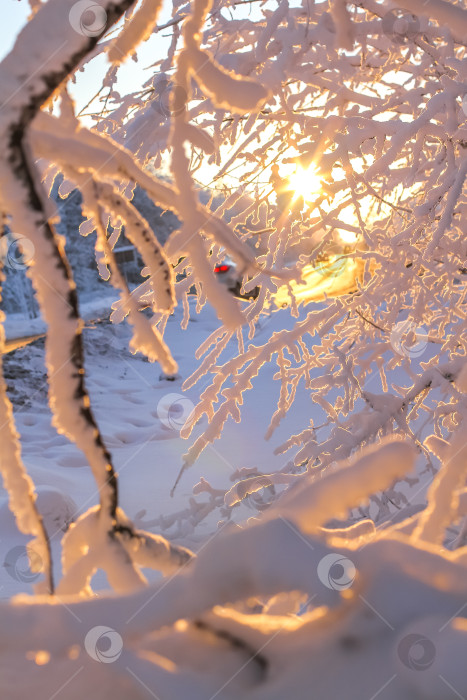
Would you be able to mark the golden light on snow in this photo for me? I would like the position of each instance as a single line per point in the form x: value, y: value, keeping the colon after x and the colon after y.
x: 74, y: 651
x: 348, y: 237
x: 41, y: 658
x: 332, y: 278
x: 306, y: 183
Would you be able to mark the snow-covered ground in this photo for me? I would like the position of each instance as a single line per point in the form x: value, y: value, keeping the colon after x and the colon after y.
x: 140, y: 414
x: 18, y: 326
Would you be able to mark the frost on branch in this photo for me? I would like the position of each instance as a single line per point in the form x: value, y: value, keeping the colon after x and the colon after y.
x: 381, y: 126
x: 23, y: 199
x: 137, y: 29
x: 95, y: 164
x: 382, y: 590
x: 231, y: 92
x: 312, y: 505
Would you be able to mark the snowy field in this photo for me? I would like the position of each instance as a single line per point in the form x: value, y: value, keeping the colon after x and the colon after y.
x: 130, y: 397
x: 140, y: 413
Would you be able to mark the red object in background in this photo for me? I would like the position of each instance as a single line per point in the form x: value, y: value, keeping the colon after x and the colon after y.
x: 222, y: 268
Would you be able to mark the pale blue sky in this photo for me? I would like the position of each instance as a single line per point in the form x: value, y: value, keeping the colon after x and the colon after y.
x: 14, y: 16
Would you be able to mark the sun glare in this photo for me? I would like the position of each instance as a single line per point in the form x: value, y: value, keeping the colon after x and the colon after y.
x: 348, y: 236
x: 306, y: 183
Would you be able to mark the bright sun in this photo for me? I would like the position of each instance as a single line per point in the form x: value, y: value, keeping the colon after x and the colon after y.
x: 348, y: 236
x: 305, y: 183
